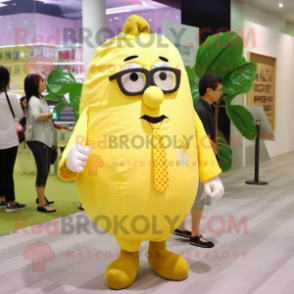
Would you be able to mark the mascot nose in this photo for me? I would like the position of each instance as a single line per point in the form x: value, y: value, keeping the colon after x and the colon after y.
x: 153, y: 97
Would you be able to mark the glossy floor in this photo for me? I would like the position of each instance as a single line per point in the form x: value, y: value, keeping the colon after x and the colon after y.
x: 252, y: 227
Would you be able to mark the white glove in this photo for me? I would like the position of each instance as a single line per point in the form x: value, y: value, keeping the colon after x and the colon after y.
x: 214, y: 188
x: 77, y: 158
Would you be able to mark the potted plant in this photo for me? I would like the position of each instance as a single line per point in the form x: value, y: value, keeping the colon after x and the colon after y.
x: 223, y: 54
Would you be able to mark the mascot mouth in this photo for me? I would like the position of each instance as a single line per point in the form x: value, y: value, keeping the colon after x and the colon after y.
x: 154, y: 120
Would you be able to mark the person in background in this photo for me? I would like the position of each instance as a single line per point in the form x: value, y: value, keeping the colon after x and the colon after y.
x: 8, y: 143
x: 210, y: 89
x: 39, y: 118
x: 23, y: 121
x: 24, y: 104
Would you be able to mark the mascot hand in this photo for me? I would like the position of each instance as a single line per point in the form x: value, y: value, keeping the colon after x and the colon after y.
x: 214, y: 188
x: 77, y: 158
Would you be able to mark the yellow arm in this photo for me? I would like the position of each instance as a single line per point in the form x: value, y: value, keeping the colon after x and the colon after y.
x: 208, y: 165
x: 79, y: 137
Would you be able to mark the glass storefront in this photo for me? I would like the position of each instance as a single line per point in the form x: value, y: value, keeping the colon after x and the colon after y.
x: 40, y: 35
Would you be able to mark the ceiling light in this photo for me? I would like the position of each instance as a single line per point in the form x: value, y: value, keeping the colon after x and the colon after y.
x: 281, y: 5
x: 116, y: 18
x: 117, y: 11
x: 5, y: 0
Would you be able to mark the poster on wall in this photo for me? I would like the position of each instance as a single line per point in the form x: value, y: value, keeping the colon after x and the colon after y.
x: 263, y: 90
x: 185, y: 38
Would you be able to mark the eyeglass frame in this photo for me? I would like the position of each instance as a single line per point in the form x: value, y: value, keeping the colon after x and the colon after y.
x: 219, y: 90
x: 149, y: 79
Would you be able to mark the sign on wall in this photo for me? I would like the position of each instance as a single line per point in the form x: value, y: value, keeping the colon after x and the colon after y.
x: 185, y: 38
x: 263, y: 90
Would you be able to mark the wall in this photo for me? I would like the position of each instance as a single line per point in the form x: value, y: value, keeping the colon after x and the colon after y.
x: 271, y: 40
x: 280, y: 46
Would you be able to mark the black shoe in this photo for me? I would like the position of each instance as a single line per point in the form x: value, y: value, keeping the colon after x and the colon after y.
x: 43, y: 209
x: 197, y: 242
x: 16, y: 207
x: 48, y: 202
x: 80, y: 207
x: 185, y: 233
x: 3, y: 204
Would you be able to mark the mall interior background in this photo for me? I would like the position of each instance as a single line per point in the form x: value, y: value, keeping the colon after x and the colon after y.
x: 51, y: 21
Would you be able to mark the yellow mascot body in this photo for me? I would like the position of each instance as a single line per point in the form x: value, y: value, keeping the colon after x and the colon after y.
x: 148, y: 148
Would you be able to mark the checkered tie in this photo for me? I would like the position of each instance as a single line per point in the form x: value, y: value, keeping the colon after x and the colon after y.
x: 160, y: 161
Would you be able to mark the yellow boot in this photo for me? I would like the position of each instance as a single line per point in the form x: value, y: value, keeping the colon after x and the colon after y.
x: 165, y: 263
x: 122, y: 272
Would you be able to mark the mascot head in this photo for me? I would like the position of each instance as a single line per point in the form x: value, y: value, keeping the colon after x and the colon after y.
x: 137, y: 68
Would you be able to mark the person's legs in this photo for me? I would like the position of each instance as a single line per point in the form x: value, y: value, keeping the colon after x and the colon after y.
x: 7, y: 162
x: 196, y: 214
x: 202, y: 199
x: 42, y: 155
x: 43, y: 175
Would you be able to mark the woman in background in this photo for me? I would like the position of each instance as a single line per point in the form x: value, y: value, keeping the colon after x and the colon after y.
x: 8, y: 143
x: 23, y: 121
x: 40, y: 119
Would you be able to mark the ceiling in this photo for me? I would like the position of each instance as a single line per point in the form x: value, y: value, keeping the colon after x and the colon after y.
x: 272, y: 7
x: 72, y: 8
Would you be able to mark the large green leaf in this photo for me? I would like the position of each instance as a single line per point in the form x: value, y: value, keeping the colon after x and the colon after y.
x: 60, y: 106
x: 75, y: 98
x: 219, y: 54
x: 195, y: 92
x: 193, y: 86
x: 243, y: 120
x: 240, y: 79
x: 53, y: 97
x: 58, y: 90
x: 59, y: 82
x: 191, y: 74
x: 59, y: 77
x: 225, y: 153
x: 228, y: 99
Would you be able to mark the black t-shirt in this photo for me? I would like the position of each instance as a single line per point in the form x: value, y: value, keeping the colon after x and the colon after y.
x: 206, y: 114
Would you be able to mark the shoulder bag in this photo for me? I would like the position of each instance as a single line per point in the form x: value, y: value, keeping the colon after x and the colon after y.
x: 18, y: 126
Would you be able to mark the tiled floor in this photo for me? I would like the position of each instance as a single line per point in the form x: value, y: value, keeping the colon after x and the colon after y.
x: 256, y: 255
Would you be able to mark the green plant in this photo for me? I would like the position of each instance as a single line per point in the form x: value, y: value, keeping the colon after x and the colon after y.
x: 222, y: 54
x: 60, y: 83
x: 225, y: 152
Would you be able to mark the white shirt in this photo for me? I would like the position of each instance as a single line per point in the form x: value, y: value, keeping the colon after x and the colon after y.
x: 8, y: 134
x: 43, y: 131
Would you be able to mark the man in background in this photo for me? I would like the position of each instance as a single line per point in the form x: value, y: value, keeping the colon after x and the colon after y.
x: 210, y: 89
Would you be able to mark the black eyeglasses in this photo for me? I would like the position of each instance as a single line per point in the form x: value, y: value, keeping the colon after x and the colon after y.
x: 135, y: 81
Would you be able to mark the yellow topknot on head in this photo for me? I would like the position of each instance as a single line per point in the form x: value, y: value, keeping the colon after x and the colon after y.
x: 136, y: 25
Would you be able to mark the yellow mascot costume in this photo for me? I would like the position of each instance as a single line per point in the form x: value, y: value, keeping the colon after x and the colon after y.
x: 138, y: 149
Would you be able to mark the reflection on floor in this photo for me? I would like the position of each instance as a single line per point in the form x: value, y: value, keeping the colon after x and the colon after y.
x: 252, y: 227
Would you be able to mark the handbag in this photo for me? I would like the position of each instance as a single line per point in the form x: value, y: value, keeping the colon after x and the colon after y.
x: 53, y: 155
x: 18, y: 126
